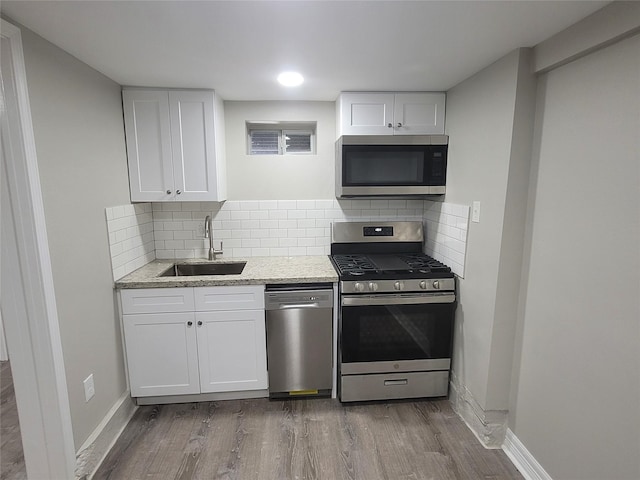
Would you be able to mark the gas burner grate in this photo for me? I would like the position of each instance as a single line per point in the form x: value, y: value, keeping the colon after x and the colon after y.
x: 353, y: 264
x: 421, y: 261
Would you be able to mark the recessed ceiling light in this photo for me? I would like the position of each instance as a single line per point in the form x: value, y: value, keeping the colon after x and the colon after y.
x: 290, y: 79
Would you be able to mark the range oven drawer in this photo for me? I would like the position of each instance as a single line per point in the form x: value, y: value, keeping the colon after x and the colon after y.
x: 356, y: 388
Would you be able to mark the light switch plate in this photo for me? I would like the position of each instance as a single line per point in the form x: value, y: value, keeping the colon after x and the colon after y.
x: 89, y: 388
x: 475, y: 212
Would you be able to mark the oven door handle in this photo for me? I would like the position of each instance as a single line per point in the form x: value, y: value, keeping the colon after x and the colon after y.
x: 367, y: 300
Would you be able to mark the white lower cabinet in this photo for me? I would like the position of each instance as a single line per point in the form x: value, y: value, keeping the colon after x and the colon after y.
x: 231, y: 350
x: 207, y: 348
x: 162, y: 355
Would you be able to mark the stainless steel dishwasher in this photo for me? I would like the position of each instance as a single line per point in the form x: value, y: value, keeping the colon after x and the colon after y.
x: 299, y: 339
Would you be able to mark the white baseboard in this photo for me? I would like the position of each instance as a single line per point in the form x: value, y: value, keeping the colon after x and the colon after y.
x: 91, y: 454
x: 489, y: 426
x: 522, y: 458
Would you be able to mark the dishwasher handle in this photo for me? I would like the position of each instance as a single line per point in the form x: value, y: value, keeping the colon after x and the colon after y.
x: 288, y: 300
x: 287, y: 306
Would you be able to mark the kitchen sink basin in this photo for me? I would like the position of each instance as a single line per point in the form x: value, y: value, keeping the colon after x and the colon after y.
x: 194, y: 269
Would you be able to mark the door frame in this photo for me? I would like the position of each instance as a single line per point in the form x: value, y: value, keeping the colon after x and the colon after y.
x: 29, y: 306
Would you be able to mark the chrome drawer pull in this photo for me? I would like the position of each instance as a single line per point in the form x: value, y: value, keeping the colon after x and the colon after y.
x: 389, y: 383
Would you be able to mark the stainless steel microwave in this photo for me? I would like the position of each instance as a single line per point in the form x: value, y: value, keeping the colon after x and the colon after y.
x: 391, y: 165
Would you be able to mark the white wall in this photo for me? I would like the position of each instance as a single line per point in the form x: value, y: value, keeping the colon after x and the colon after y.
x: 77, y: 121
x: 576, y: 403
x: 488, y: 121
x: 280, y: 177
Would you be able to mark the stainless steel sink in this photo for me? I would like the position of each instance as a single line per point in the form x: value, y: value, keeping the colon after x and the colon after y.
x: 193, y: 269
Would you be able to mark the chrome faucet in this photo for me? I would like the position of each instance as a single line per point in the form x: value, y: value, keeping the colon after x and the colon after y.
x: 208, y: 233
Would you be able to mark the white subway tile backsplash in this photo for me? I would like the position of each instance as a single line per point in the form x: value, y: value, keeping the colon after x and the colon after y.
x: 323, y: 204
x: 131, y: 239
x: 182, y: 215
x: 305, y: 204
x: 250, y: 224
x: 287, y: 205
x: 296, y: 214
x: 446, y: 227
x: 240, y: 215
x: 380, y: 204
x: 230, y: 206
x: 171, y: 207
x: 183, y: 235
x: 288, y: 242
x: 288, y: 223
x: 267, y: 224
x: 259, y: 215
x: 306, y: 223
x: 268, y: 242
x: 249, y: 205
x: 277, y: 214
x: 139, y: 233
x: 250, y: 242
x: 268, y: 205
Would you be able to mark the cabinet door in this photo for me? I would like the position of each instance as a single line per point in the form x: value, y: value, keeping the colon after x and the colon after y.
x: 162, y: 355
x: 232, y: 350
x: 193, y: 145
x: 418, y: 114
x: 366, y: 114
x: 147, y: 132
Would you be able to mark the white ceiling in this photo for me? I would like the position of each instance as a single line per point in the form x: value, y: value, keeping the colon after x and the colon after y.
x: 239, y: 47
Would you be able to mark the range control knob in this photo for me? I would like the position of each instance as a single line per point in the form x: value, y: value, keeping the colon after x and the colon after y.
x: 423, y: 285
x: 358, y: 287
x: 436, y: 284
x: 398, y: 285
x: 373, y: 286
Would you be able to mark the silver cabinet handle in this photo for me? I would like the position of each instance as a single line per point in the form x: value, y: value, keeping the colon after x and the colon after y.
x: 403, y: 381
x: 168, y: 192
x: 390, y: 125
x: 399, y: 125
x: 199, y: 323
x: 189, y: 323
x: 178, y: 192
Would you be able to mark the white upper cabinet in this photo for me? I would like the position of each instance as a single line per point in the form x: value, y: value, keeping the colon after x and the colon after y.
x: 391, y: 114
x: 175, y: 145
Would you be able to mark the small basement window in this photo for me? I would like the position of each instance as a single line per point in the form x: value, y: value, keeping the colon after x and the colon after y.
x: 281, y: 138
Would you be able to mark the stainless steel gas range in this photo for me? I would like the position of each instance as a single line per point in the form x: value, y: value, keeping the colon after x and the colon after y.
x: 396, y: 312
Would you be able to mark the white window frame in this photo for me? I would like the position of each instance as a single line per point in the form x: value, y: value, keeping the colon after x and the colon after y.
x: 282, y: 128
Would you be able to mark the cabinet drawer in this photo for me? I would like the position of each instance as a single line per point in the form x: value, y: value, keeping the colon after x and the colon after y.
x: 249, y: 297
x: 157, y: 300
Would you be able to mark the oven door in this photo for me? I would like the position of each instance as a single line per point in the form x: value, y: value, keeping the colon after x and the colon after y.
x: 396, y: 332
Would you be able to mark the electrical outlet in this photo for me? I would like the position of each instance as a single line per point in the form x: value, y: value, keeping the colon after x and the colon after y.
x: 89, y: 388
x: 475, y: 212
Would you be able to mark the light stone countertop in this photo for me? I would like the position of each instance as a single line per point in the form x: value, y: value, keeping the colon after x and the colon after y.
x: 257, y: 271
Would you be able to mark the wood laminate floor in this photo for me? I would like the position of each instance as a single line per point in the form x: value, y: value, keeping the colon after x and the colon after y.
x: 12, y: 465
x: 302, y: 439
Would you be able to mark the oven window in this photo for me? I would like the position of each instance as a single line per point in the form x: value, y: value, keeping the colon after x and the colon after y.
x: 396, y: 332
